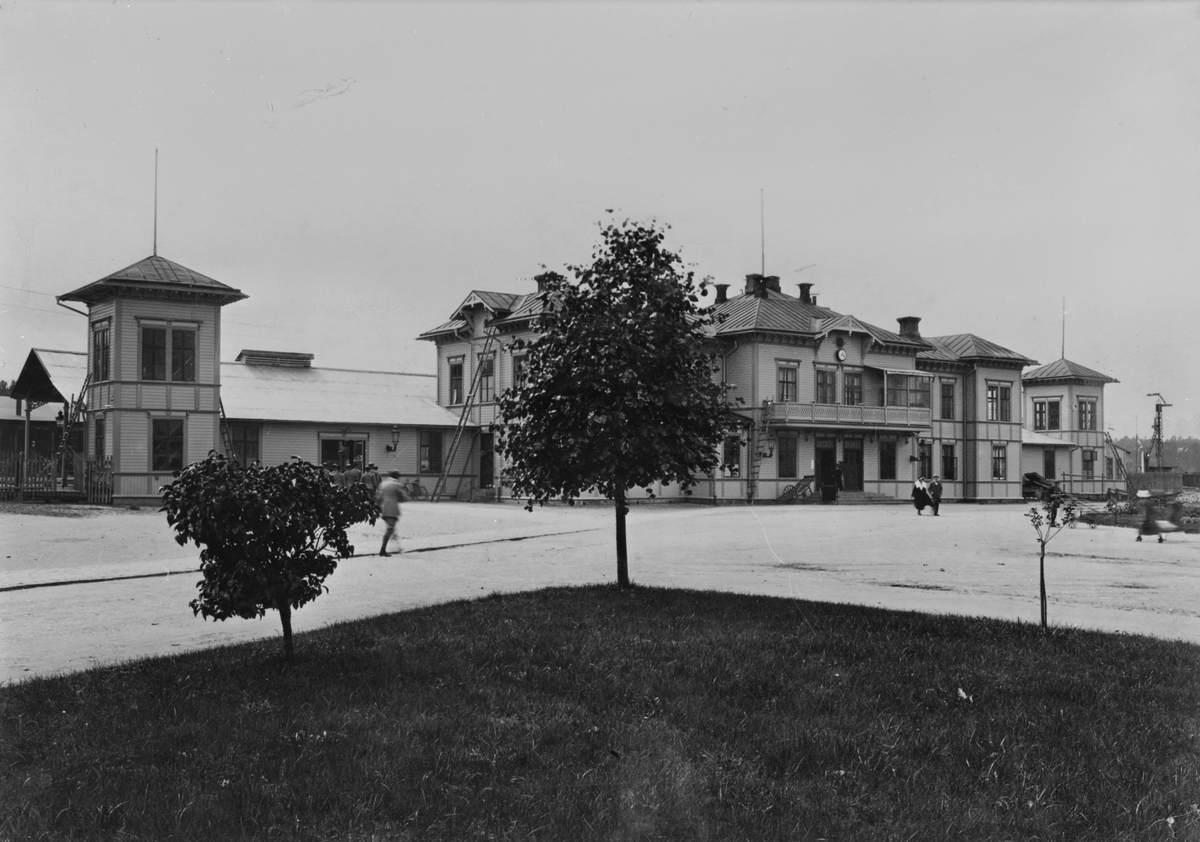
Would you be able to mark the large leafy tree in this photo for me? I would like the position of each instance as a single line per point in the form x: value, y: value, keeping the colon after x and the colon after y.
x: 619, y: 390
x: 269, y: 536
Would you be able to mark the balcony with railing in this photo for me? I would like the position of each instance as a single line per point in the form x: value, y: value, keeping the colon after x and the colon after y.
x: 839, y: 415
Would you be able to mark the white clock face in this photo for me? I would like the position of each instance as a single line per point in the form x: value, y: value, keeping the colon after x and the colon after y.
x: 841, y: 354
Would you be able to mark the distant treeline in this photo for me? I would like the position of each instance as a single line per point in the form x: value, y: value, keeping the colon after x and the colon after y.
x: 1180, y: 454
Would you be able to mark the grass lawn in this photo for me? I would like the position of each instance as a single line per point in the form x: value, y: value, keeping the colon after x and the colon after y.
x: 594, y: 713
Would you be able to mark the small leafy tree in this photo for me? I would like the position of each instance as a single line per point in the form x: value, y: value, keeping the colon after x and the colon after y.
x: 269, y: 536
x: 1050, y: 518
x: 619, y: 390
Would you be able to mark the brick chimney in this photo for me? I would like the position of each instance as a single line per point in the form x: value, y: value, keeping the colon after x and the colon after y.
x: 908, y: 327
x: 753, y: 284
x: 722, y: 293
x: 772, y: 283
x: 806, y: 293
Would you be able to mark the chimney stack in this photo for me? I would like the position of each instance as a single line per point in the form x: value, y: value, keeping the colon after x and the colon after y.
x: 541, y: 280
x: 753, y: 284
x: 722, y: 295
x: 908, y: 327
x: 806, y: 294
x: 771, y: 282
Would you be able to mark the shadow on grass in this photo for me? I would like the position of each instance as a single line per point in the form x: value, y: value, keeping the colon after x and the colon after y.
x: 596, y: 713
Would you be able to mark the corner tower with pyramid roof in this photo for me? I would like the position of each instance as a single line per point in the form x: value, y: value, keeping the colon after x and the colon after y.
x: 154, y: 380
x: 1065, y: 401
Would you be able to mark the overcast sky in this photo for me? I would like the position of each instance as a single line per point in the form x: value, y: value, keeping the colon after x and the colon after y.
x: 358, y: 169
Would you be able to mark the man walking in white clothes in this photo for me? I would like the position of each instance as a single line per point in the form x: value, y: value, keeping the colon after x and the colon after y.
x: 391, y: 492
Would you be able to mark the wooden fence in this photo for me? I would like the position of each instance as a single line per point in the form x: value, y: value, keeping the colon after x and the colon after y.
x: 40, y: 479
x: 1156, y: 481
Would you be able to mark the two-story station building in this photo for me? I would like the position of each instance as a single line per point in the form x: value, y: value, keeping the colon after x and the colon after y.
x: 821, y: 391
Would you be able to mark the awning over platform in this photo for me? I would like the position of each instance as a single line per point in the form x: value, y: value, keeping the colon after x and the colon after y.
x: 1029, y: 437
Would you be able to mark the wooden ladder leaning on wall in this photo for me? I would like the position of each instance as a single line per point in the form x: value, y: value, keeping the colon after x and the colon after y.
x: 440, y: 488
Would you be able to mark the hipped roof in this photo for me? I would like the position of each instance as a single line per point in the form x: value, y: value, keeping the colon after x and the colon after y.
x: 51, y: 376
x: 155, y: 277
x: 964, y: 347
x: 331, y: 396
x: 1064, y: 369
x: 768, y: 311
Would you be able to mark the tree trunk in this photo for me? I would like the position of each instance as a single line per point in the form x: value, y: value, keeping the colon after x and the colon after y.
x: 285, y: 617
x: 1042, y: 580
x: 622, y: 550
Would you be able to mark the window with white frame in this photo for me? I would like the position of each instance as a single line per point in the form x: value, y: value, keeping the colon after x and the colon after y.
x: 852, y: 388
x: 1089, y: 464
x: 169, y: 351
x: 456, y: 380
x: 166, y: 444
x: 487, y: 378
x: 786, y: 382
x: 101, y: 346
x: 999, y: 401
x: 1087, y: 414
x: 999, y: 461
x: 826, y: 386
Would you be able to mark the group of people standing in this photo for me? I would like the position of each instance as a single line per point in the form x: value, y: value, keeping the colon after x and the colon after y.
x: 927, y: 493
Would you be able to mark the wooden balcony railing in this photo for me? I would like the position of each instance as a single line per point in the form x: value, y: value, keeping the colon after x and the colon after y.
x: 829, y: 414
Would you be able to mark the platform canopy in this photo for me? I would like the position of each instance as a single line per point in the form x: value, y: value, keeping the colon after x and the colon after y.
x: 51, y: 376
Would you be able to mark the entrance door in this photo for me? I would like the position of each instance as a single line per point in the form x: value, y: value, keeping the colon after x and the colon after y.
x: 852, y: 467
x: 343, y: 452
x: 1048, y: 462
x: 487, y: 462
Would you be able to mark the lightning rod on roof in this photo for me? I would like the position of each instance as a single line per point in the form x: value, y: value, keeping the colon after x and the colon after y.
x: 156, y: 203
x: 762, y: 227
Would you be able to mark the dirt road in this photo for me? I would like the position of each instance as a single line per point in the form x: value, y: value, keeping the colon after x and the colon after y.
x: 112, y: 584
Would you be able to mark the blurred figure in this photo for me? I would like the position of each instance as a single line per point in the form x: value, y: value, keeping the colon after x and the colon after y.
x: 920, y: 495
x: 391, y: 492
x: 935, y: 494
x: 1155, y: 523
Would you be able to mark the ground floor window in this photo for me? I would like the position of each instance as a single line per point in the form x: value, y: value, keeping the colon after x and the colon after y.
x: 999, y: 461
x: 925, y: 457
x: 949, y: 462
x: 99, y: 450
x: 342, y: 453
x: 887, y: 459
x: 1109, y: 467
x: 431, y: 452
x: 244, y: 438
x: 1089, y: 464
x: 1048, y: 466
x: 731, y: 457
x: 166, y: 445
x: 787, y: 456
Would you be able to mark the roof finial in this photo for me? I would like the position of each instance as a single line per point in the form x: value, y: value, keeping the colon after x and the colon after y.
x: 156, y: 203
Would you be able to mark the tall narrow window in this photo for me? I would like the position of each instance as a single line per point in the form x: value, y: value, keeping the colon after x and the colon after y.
x: 1108, y: 467
x: 947, y: 400
x: 1089, y: 464
x: 431, y: 452
x: 999, y: 461
x: 925, y: 458
x: 519, y: 371
x: 826, y: 385
x: 1049, y: 465
x: 852, y: 394
x: 897, y: 390
x: 787, y: 455
x: 183, y: 356
x: 100, y: 353
x: 166, y: 447
x: 949, y: 462
x: 487, y: 378
x: 731, y: 457
x: 1087, y: 415
x: 1053, y: 415
x: 1039, y: 415
x: 887, y: 459
x: 1005, y: 402
x: 993, y: 402
x: 100, y: 450
x: 918, y: 391
x: 786, y: 383
x: 154, y: 353
x: 456, y: 381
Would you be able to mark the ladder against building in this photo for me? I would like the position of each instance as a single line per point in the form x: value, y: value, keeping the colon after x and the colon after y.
x: 226, y: 434
x: 75, y: 411
x: 1122, y: 474
x: 759, y: 436
x: 464, y: 417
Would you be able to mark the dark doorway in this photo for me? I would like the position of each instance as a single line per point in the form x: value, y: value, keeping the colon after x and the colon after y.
x: 852, y: 467
x: 826, y: 460
x: 342, y: 452
x: 1048, y: 463
x: 487, y: 463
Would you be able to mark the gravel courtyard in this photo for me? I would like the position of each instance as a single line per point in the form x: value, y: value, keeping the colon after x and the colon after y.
x: 82, y: 586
